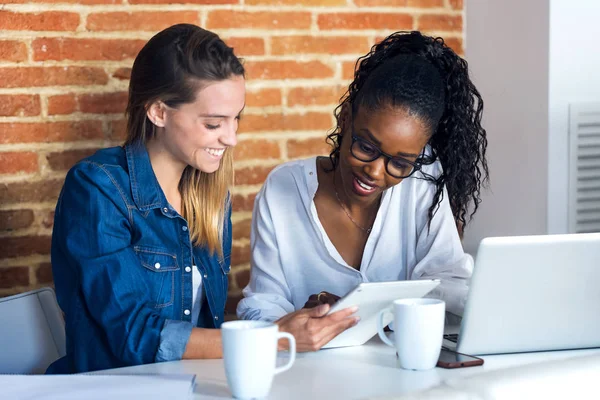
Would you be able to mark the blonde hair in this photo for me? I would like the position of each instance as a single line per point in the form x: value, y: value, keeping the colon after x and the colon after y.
x: 170, y: 68
x: 203, y: 203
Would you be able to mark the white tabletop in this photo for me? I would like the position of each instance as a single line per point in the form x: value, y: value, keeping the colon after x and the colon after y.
x: 343, y: 373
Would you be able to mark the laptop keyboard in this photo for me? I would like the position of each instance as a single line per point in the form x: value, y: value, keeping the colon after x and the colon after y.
x: 453, y: 337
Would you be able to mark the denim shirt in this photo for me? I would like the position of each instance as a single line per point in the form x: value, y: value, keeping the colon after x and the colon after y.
x: 121, y: 260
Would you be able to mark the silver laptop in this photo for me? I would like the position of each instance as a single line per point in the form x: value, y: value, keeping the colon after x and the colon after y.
x: 532, y: 293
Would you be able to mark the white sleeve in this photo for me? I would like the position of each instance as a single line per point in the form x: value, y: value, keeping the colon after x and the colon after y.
x: 440, y: 255
x: 267, y: 296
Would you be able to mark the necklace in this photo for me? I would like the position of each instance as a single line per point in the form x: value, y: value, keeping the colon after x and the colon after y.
x: 366, y: 230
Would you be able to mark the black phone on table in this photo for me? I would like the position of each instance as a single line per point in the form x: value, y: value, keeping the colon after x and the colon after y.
x: 452, y: 359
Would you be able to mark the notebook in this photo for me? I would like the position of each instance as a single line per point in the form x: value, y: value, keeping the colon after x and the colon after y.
x: 96, y: 387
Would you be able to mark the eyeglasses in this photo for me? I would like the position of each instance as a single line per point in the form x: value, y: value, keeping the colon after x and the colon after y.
x: 396, y: 167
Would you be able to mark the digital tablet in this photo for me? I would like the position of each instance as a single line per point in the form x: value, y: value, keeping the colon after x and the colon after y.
x: 371, y: 298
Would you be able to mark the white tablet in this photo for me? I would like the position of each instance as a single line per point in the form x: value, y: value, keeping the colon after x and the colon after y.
x: 371, y: 298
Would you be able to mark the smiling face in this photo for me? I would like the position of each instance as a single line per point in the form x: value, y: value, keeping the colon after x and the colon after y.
x: 198, y: 133
x: 391, y: 130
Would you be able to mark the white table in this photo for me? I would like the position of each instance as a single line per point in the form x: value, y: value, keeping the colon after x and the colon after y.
x: 344, y: 373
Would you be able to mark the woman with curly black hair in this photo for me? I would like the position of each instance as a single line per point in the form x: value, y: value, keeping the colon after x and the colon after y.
x: 407, y: 167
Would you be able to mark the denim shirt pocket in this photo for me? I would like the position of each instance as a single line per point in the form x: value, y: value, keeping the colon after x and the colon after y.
x: 160, y: 267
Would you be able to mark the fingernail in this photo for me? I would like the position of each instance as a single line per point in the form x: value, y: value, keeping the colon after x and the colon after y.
x: 354, y: 309
x: 357, y: 320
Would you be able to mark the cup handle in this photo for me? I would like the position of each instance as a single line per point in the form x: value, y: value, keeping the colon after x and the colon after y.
x: 292, y: 351
x: 380, y: 327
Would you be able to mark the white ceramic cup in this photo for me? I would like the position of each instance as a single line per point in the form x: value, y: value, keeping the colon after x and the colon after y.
x: 250, y: 355
x: 418, y: 331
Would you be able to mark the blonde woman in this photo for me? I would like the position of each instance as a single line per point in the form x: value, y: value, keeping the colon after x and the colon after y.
x: 142, y: 232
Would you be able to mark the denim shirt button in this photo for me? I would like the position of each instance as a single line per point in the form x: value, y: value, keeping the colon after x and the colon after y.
x: 188, y: 269
x: 186, y: 312
x: 205, y: 276
x: 157, y: 265
x: 216, y: 317
x: 184, y: 228
x: 166, y: 210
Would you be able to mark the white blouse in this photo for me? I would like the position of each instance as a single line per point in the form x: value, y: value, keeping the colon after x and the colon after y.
x: 292, y: 257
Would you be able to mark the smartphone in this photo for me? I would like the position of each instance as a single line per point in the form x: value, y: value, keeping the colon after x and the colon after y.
x: 452, y: 359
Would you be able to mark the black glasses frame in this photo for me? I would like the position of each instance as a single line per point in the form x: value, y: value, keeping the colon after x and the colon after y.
x: 416, y: 166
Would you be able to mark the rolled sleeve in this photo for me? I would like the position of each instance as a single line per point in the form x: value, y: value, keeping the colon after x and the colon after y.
x: 174, y: 337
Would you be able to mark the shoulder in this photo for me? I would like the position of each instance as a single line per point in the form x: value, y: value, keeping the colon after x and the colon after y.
x: 109, y: 157
x: 289, y: 174
x: 105, y: 170
x: 287, y: 184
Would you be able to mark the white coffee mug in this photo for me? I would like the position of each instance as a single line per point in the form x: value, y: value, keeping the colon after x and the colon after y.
x: 418, y: 331
x: 250, y: 355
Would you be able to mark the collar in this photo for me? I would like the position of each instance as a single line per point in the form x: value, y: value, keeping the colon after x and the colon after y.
x: 147, y: 193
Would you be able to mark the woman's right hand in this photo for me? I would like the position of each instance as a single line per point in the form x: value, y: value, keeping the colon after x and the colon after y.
x: 321, y: 298
x: 313, y: 328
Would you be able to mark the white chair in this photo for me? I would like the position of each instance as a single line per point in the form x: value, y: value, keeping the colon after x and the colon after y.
x: 32, y: 332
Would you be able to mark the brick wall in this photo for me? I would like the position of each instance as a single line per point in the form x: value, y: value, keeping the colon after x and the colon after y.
x: 64, y: 68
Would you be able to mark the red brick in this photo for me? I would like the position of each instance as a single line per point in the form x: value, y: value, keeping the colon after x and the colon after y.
x: 348, y: 69
x: 241, y: 229
x: 18, y: 161
x: 13, y: 276
x: 239, y: 202
x: 240, y: 254
x: 43, y: 273
x: 84, y: 2
x: 11, y: 77
x: 203, y: 2
x: 257, y: 149
x: 231, y: 305
x: 64, y: 160
x: 20, y: 246
x: 48, y: 220
x: 425, y: 3
x: 395, y: 21
x: 288, y: 70
x: 11, y: 220
x: 117, y: 129
x: 85, y: 49
x: 43, y: 21
x: 263, y: 98
x: 321, y: 95
x: 288, y: 122
x: 307, y: 148
x: 285, y: 45
x: 122, y: 73
x: 242, y: 278
x: 451, y: 23
x: 457, y: 4
x: 64, y: 131
x: 13, y: 50
x: 251, y: 175
x: 228, y: 19
x: 455, y: 44
x: 139, y: 21
x: 103, y: 103
x: 21, y: 105
x: 62, y: 104
x: 400, y: 3
x: 243, y: 46
x: 312, y: 3
x: 46, y: 190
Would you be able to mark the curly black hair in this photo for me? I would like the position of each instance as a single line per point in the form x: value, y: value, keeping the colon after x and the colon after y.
x: 427, y: 78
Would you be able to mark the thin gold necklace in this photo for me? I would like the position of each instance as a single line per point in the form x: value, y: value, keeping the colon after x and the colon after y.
x: 366, y: 230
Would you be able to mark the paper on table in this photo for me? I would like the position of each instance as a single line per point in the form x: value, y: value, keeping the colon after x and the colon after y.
x: 96, y: 387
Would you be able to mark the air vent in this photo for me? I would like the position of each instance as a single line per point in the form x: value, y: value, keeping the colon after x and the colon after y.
x: 584, y: 167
